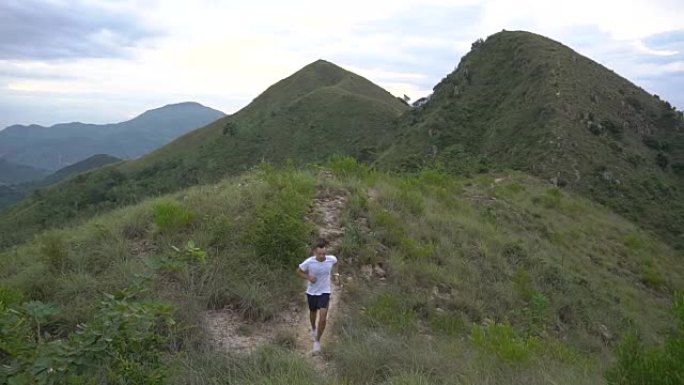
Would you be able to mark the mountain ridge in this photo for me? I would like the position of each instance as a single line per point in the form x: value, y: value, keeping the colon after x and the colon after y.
x: 13, y: 193
x: 62, y: 144
x: 520, y: 100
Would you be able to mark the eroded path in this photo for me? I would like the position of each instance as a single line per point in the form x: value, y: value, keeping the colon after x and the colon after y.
x: 231, y: 333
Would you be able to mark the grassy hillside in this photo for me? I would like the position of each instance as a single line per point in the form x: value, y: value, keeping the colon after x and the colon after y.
x: 500, y: 278
x: 318, y: 111
x: 11, y: 173
x: 523, y: 101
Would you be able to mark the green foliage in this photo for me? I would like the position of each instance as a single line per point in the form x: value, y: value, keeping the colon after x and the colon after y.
x: 539, y: 307
x: 551, y: 199
x: 54, y: 251
x: 392, y: 312
x: 662, y: 365
x: 9, y: 296
x: 170, y: 216
x: 503, y: 341
x: 653, y: 143
x: 678, y: 168
x: 277, y: 230
x: 347, y: 166
x: 447, y: 323
x: 662, y: 161
x: 268, y: 365
x: 651, y: 276
x: 191, y: 253
x: 613, y: 128
x: 635, y: 241
x: 255, y: 301
x: 524, y: 285
x: 124, y: 343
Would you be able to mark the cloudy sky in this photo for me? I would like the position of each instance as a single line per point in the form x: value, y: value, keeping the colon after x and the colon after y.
x: 103, y: 61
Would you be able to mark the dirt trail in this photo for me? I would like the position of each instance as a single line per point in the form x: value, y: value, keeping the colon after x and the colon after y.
x: 326, y: 215
x: 229, y: 332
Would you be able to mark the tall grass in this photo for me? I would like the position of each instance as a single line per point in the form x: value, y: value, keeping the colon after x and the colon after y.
x: 483, y: 282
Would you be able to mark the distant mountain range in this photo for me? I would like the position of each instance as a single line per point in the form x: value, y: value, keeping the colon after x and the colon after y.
x: 15, y: 192
x: 60, y: 145
x: 11, y: 173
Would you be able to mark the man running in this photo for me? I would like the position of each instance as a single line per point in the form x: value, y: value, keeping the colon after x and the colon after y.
x: 318, y: 270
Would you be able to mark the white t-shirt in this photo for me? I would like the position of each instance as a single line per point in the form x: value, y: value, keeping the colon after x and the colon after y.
x: 322, y: 272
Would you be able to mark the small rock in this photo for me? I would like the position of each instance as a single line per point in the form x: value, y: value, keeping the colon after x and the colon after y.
x: 367, y: 271
x: 605, y: 333
x: 379, y: 271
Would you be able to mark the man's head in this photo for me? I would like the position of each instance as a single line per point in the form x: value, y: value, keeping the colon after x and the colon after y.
x: 319, y: 249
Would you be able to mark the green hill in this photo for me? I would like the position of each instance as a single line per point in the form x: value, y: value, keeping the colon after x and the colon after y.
x: 498, y: 278
x: 11, y: 173
x: 88, y: 164
x: 11, y: 194
x: 523, y: 101
x: 64, y: 144
x: 318, y: 111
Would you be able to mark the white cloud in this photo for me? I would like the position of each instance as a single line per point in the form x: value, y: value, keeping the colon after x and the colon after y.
x: 224, y: 53
x: 643, y: 48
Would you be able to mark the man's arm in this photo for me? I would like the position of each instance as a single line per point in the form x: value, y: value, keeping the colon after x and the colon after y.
x: 335, y: 274
x: 305, y: 275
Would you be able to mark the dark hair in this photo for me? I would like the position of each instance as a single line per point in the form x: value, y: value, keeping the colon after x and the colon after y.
x: 320, y: 243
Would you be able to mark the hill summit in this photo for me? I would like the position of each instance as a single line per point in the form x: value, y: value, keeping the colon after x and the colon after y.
x: 520, y: 100
x: 319, y: 111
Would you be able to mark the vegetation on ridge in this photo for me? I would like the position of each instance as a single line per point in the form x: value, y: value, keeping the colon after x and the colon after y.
x: 499, y: 278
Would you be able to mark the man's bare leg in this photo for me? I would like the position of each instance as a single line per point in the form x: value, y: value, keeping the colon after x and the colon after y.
x: 312, y: 318
x: 322, y: 319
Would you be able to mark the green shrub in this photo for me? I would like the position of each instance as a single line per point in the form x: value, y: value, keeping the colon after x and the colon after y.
x: 347, y: 166
x: 678, y: 168
x: 450, y: 324
x: 124, y: 343
x: 278, y: 231
x: 254, y: 301
x: 515, y: 254
x: 635, y: 241
x: 539, y: 308
x: 278, y: 236
x: 54, y: 251
x: 171, y: 216
x: 662, y: 161
x: 551, y: 198
x: 387, y: 225
x: 524, y: 285
x: 613, y: 128
x: 650, y: 275
x: 10, y: 296
x: 502, y: 340
x: 392, y: 312
x: 660, y: 365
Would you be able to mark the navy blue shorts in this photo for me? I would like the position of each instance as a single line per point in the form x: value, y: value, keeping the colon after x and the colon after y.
x: 318, y: 301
